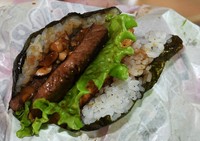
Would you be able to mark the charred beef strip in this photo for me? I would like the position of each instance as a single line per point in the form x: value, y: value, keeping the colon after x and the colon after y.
x: 62, y: 79
x: 64, y: 76
x: 26, y: 94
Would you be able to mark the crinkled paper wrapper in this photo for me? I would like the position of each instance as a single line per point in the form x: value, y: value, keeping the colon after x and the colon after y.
x: 168, y: 112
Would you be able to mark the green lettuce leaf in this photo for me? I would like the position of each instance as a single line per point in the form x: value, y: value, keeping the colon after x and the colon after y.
x: 25, y: 123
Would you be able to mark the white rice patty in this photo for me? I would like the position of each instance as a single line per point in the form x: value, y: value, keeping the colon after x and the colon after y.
x: 121, y: 93
x: 118, y: 98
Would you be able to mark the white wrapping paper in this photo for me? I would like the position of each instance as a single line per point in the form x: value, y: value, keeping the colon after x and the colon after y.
x: 169, y: 112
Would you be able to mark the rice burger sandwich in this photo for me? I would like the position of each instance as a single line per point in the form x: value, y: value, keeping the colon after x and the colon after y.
x: 86, y: 71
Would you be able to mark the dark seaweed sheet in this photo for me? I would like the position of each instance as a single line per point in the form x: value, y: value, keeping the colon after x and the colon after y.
x: 158, y: 64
